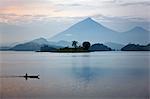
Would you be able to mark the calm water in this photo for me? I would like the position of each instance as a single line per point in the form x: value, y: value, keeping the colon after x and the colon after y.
x: 97, y: 75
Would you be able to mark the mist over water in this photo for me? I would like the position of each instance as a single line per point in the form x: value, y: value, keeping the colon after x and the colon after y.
x: 96, y: 75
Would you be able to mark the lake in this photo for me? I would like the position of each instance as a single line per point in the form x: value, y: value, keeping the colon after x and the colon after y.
x: 95, y: 75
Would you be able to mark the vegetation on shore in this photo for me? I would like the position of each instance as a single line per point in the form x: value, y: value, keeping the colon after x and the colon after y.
x: 76, y: 48
x: 86, y: 47
x: 136, y: 47
x: 67, y: 49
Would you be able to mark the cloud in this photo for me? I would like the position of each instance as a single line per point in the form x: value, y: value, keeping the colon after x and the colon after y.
x: 135, y: 4
x: 28, y: 18
x: 120, y: 18
x: 14, y: 18
x: 70, y: 5
x: 122, y: 23
x: 7, y: 3
x: 21, y: 11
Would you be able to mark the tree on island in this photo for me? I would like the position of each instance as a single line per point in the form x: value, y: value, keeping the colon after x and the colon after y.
x: 74, y: 44
x: 86, y: 45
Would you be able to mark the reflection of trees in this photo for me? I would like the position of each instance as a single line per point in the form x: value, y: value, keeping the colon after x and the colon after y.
x: 82, y: 72
x: 84, y: 77
x: 82, y: 69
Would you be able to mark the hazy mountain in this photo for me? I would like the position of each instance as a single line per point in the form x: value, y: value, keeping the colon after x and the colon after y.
x: 4, y: 48
x: 99, y: 47
x: 29, y: 46
x: 115, y: 46
x: 33, y: 45
x: 136, y: 35
x: 63, y: 43
x: 87, y: 29
x: 40, y: 41
x: 136, y: 47
x: 90, y: 30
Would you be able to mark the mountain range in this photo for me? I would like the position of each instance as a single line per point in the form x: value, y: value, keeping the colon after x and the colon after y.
x: 86, y: 30
x: 92, y: 31
x: 36, y: 44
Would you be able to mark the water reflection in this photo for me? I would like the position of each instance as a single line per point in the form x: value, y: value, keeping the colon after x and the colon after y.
x: 85, y: 74
x: 81, y: 68
x: 88, y: 76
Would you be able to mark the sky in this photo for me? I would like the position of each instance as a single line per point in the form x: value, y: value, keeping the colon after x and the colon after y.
x: 24, y: 20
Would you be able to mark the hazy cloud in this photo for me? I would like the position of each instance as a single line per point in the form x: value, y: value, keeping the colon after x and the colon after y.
x: 73, y: 8
x: 120, y: 18
x: 136, y: 4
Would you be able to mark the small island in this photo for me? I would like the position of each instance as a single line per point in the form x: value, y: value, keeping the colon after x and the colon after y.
x: 76, y: 48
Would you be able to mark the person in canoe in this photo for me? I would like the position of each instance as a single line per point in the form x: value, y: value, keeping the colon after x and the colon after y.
x: 26, y: 76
